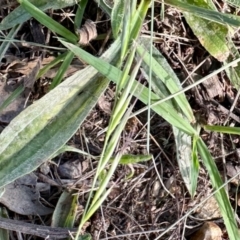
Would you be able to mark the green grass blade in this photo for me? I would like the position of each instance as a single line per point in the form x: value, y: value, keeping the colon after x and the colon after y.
x: 48, y: 22
x: 50, y: 65
x: 19, y: 14
x: 62, y: 70
x: 165, y: 109
x: 5, y: 45
x: 117, y: 16
x: 79, y: 14
x: 221, y: 196
x: 14, y: 95
x: 165, y: 73
x: 223, y: 129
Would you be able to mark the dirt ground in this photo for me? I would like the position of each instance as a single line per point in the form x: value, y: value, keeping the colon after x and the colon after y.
x: 146, y: 204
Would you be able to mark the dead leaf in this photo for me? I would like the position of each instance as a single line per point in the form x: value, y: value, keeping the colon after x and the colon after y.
x: 70, y: 170
x: 18, y: 73
x: 104, y: 105
x: 209, y: 209
x: 214, y: 87
x: 208, y: 231
x: 87, y: 33
x: 31, y: 72
x: 232, y: 171
x: 21, y: 197
x: 14, y: 108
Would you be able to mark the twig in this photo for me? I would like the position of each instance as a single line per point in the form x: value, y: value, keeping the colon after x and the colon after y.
x: 34, y: 229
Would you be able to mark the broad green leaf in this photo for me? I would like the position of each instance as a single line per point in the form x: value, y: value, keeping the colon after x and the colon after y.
x: 65, y: 212
x: 19, y: 14
x: 42, y: 128
x: 50, y: 65
x: 220, y: 195
x: 211, y: 35
x: 225, y: 19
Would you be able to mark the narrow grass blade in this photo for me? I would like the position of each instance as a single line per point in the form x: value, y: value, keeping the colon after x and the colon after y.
x: 138, y: 18
x: 15, y: 94
x: 194, y: 172
x: 79, y: 14
x: 223, y: 129
x: 19, y: 14
x: 48, y: 22
x: 66, y: 148
x: 53, y: 63
x: 164, y: 82
x: 131, y: 159
x: 165, y: 109
x: 126, y: 31
x: 117, y: 16
x: 107, y: 9
x: 5, y: 45
x: 62, y: 70
x: 221, y: 196
x: 165, y: 73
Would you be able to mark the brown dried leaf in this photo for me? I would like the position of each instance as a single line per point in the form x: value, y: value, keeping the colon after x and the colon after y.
x: 104, y: 105
x: 8, y: 86
x: 232, y: 171
x: 31, y: 72
x: 22, y: 197
x: 87, y: 33
x: 214, y: 87
x: 70, y: 170
x: 209, y: 209
x: 12, y: 110
x: 208, y: 231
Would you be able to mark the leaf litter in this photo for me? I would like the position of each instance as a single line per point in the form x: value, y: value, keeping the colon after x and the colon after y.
x: 140, y: 203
